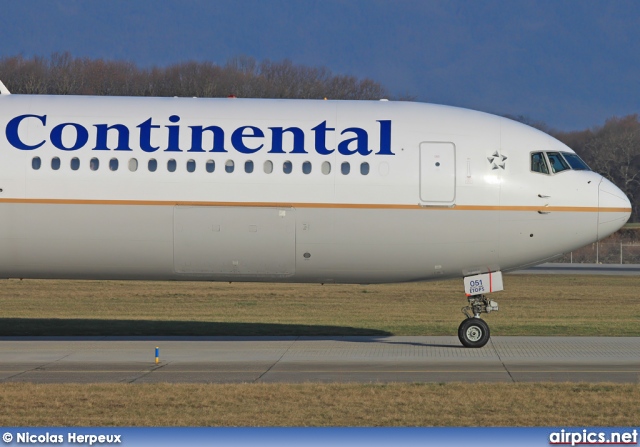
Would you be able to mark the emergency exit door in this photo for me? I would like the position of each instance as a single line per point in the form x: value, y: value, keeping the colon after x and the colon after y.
x: 437, y: 172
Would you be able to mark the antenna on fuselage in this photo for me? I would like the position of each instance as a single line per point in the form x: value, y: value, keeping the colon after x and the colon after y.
x: 4, y: 90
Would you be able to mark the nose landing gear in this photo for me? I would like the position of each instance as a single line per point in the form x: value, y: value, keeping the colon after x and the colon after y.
x: 474, y: 332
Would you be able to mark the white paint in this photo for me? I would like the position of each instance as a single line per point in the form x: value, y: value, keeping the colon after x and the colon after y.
x: 3, y: 89
x: 483, y: 284
x: 356, y: 228
x: 437, y: 172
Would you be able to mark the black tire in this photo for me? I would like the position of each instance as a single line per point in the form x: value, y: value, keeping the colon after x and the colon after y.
x: 473, y: 333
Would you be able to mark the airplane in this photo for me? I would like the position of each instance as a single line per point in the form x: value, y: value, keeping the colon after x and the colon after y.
x: 298, y: 191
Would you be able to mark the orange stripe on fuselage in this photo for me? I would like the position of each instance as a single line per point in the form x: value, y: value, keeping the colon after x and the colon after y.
x: 573, y: 209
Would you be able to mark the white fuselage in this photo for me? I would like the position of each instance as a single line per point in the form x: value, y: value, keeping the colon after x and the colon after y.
x: 431, y: 191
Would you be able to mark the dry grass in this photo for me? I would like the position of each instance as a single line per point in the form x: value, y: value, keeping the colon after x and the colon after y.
x: 531, y: 305
x: 320, y: 405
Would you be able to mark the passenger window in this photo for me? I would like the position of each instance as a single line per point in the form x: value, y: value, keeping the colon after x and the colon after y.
x: 306, y: 167
x: 345, y: 168
x: 210, y: 166
x: 113, y: 164
x: 575, y: 162
x: 75, y: 163
x: 94, y: 164
x: 171, y: 165
x: 152, y: 165
x: 557, y: 162
x: 55, y: 163
x: 268, y: 167
x: 287, y: 167
x: 191, y: 165
x: 364, y: 168
x: 248, y: 167
x: 538, y: 163
x: 229, y: 166
x: 36, y: 163
x: 133, y: 165
x: 326, y: 168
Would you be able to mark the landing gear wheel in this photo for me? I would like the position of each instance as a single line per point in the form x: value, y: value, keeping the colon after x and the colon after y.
x: 473, y: 333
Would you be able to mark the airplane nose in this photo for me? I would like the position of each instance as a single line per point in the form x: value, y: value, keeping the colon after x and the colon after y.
x: 614, y: 209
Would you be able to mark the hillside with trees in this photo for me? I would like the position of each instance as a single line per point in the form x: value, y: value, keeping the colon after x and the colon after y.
x: 62, y: 74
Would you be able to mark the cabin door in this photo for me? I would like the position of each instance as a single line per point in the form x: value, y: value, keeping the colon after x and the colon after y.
x: 437, y: 173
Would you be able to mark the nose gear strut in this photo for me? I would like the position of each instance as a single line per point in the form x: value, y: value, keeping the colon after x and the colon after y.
x: 479, y: 304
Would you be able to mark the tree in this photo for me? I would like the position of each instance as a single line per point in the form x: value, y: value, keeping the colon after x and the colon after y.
x: 241, y: 76
x: 614, y: 151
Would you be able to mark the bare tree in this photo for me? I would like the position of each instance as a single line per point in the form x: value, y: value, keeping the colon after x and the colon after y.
x: 540, y: 125
x: 615, y: 153
x: 241, y: 76
x: 612, y: 150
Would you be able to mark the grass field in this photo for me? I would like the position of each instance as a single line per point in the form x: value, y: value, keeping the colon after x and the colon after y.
x: 454, y: 404
x: 531, y: 305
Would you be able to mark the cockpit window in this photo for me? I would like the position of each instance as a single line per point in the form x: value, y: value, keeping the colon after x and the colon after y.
x: 538, y: 163
x: 575, y: 162
x: 557, y: 162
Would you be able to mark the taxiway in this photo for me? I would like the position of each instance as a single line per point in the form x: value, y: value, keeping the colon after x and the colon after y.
x: 312, y: 359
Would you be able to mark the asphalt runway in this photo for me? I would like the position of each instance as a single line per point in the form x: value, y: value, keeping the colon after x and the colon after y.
x: 318, y: 359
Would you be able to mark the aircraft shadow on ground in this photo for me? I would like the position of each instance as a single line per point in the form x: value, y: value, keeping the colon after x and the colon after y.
x: 68, y: 327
